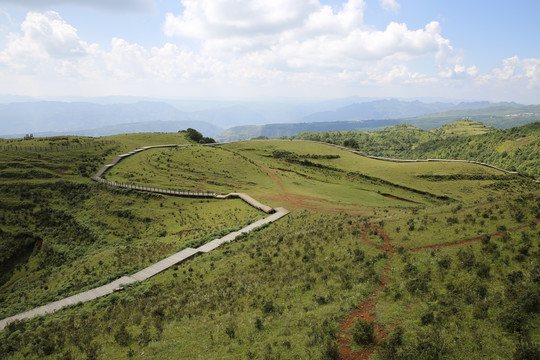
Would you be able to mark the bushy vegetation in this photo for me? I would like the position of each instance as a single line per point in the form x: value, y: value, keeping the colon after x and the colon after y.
x: 513, y: 149
x: 475, y: 300
x: 446, y: 254
x: 197, y: 137
x: 276, y: 293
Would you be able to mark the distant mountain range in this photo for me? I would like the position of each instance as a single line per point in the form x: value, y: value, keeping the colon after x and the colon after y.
x: 148, y: 126
x: 391, y: 109
x: 243, y: 119
x: 500, y: 116
x: 277, y: 130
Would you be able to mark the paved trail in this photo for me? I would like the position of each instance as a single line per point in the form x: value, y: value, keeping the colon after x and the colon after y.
x: 162, y: 265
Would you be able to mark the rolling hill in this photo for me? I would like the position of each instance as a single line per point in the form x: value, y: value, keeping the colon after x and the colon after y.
x: 396, y: 259
x: 516, y: 148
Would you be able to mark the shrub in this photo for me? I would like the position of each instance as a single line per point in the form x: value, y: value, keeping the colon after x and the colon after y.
x: 122, y: 336
x: 268, y: 307
x: 363, y: 332
x: 391, y: 345
x: 466, y: 257
x: 427, y: 318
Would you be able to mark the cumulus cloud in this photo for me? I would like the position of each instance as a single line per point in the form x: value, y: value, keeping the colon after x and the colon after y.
x: 515, y: 68
x: 389, y: 5
x: 44, y: 35
x: 225, y: 18
x: 531, y: 69
x: 114, y: 5
x: 298, y: 44
x: 48, y: 47
x: 301, y: 33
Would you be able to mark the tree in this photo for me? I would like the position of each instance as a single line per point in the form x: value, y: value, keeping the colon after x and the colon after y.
x: 194, y: 135
x: 197, y: 137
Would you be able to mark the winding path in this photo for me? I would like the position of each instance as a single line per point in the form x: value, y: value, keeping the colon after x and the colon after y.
x: 275, y: 214
x: 162, y: 265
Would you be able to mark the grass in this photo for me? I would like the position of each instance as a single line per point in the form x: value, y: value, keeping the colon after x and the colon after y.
x: 221, y: 292
x: 463, y: 127
x: 381, y: 176
x: 283, y: 291
x: 110, y: 234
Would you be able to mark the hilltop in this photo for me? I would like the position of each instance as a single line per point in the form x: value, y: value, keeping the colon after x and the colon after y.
x: 463, y: 127
x: 396, y: 260
x: 514, y: 149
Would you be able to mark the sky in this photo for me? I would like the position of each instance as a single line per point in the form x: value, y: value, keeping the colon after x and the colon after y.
x: 481, y: 50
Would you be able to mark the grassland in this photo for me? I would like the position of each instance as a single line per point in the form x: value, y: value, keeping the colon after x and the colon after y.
x: 62, y: 234
x: 512, y: 149
x: 442, y: 257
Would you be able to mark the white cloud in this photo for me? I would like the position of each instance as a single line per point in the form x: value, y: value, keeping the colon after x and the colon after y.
x: 390, y: 5
x: 515, y: 68
x: 44, y: 36
x: 531, y: 69
x: 316, y: 48
x: 302, y: 44
x: 225, y: 18
x: 298, y: 43
x: 300, y: 34
x: 114, y: 5
x: 508, y: 70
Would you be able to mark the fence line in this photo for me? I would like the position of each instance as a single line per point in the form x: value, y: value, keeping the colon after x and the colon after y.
x: 162, y: 265
x: 361, y: 153
x: 51, y: 147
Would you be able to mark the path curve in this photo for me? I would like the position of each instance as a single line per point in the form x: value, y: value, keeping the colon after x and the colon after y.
x: 164, y: 264
x: 361, y: 153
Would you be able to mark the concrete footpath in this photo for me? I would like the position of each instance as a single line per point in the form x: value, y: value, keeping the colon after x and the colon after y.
x: 164, y: 264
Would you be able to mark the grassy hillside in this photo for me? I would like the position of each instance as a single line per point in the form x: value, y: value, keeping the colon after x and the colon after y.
x: 61, y: 233
x: 463, y: 127
x: 380, y: 259
x: 513, y: 149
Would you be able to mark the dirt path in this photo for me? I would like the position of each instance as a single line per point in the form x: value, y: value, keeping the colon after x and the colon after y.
x: 366, y: 309
x: 478, y: 238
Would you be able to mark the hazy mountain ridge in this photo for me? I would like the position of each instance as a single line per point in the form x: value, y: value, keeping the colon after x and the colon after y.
x: 140, y: 127
x: 277, y: 130
x: 390, y: 109
x: 103, y: 116
x: 501, y: 116
x: 62, y: 116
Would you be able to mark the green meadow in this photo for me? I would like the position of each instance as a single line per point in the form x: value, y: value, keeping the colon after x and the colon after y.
x: 381, y: 259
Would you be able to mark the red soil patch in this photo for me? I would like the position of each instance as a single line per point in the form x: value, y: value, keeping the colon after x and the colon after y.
x: 386, y: 246
x: 366, y: 309
x: 302, y: 201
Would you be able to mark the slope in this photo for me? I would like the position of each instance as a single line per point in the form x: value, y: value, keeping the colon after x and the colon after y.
x: 458, y: 273
x: 513, y: 149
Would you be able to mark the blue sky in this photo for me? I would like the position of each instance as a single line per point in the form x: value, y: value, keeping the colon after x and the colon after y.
x: 299, y: 48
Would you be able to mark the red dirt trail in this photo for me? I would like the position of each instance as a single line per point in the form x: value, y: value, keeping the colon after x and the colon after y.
x: 478, y: 238
x: 366, y: 309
